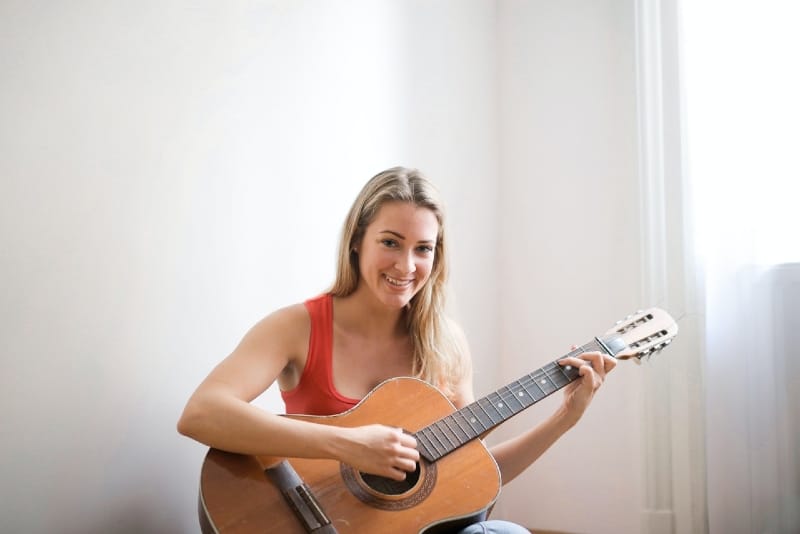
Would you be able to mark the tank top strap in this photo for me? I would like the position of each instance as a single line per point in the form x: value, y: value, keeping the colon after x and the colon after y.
x: 315, y: 393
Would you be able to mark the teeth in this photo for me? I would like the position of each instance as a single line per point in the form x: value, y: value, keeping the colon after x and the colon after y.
x: 395, y: 282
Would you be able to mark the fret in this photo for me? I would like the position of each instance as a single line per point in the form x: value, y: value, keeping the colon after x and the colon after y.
x: 512, y: 395
x: 480, y: 403
x: 458, y: 417
x: 434, y: 452
x: 440, y: 436
x: 449, y: 422
x: 526, y: 381
x: 446, y: 433
x: 424, y: 451
x: 594, y: 346
x: 492, y: 400
x: 570, y: 374
x: 438, y: 446
x: 555, y: 376
x: 578, y: 350
x: 473, y: 420
x: 430, y: 437
x: 428, y: 450
x: 555, y: 386
x: 544, y: 383
x: 437, y: 435
x: 535, y: 382
x: 522, y: 394
x: 500, y: 406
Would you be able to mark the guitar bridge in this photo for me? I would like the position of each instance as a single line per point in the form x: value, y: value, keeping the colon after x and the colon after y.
x: 300, y: 499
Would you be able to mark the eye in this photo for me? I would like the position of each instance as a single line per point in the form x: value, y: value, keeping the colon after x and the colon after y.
x: 391, y: 243
x: 426, y: 249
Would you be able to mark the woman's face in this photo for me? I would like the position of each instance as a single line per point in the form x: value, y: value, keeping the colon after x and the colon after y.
x: 396, y: 253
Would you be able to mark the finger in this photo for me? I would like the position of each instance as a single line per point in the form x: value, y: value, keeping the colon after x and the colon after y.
x: 597, y: 362
x: 411, y: 455
x: 397, y: 474
x: 408, y: 444
x: 572, y: 361
x: 576, y: 362
x: 588, y: 370
x: 407, y: 440
x: 406, y: 447
x: 595, y: 359
x: 587, y: 374
x: 609, y: 363
x: 407, y: 465
x: 588, y: 367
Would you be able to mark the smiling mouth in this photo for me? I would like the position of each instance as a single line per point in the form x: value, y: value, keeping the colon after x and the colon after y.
x: 397, y: 283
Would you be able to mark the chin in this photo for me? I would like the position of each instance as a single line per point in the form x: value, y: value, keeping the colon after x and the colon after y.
x: 398, y: 301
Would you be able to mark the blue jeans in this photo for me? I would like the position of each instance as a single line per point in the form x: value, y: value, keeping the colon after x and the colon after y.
x: 494, y: 526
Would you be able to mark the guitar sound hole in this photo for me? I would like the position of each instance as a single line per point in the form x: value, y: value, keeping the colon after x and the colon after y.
x: 387, y: 486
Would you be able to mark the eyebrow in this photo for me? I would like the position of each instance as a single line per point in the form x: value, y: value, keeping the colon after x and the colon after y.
x: 401, y: 236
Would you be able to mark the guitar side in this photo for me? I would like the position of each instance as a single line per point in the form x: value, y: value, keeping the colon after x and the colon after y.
x: 236, y: 496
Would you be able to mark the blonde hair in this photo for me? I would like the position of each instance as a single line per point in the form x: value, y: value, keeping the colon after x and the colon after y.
x: 437, y: 355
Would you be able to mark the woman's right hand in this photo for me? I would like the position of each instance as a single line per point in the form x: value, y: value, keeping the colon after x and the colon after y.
x: 380, y: 450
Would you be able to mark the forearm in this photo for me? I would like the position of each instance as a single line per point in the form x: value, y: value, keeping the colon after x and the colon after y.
x: 517, y: 454
x: 231, y: 424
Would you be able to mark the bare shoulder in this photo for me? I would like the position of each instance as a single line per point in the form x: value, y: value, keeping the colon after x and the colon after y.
x: 269, y: 350
x: 285, y: 331
x: 292, y: 316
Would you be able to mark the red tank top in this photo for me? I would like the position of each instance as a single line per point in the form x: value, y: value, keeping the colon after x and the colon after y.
x: 315, y: 393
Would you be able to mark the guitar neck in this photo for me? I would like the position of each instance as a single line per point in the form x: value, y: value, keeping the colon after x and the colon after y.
x: 462, y: 426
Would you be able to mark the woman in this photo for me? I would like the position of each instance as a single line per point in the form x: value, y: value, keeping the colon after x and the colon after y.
x: 384, y: 317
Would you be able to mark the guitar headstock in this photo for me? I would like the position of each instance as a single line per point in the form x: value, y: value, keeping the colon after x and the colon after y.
x: 644, y: 333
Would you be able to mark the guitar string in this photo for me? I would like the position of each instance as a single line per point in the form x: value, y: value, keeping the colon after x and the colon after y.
x: 540, y: 376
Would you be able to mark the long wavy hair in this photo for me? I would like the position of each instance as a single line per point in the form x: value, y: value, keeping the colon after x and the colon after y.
x: 437, y: 356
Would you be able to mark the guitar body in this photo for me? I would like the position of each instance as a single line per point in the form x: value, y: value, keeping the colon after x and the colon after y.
x: 237, y: 494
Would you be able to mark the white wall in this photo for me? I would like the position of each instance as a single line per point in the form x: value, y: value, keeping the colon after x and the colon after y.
x: 569, y: 245
x: 171, y: 172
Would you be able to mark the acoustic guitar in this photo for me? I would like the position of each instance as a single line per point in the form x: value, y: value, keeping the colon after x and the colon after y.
x: 456, y: 481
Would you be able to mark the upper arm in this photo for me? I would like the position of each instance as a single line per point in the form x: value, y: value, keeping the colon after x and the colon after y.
x: 268, y: 349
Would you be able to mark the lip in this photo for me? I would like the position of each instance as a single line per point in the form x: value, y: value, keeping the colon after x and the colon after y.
x: 398, y: 283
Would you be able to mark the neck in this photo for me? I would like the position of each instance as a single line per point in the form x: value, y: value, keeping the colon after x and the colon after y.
x: 362, y: 314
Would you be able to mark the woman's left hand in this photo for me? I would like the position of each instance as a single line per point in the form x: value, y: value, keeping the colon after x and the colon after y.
x: 593, y: 368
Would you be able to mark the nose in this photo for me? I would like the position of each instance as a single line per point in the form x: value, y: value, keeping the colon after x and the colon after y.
x: 405, y: 263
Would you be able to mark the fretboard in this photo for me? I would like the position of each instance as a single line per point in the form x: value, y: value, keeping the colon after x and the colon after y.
x: 462, y: 426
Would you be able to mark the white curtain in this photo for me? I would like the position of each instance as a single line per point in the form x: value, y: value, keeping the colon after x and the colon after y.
x: 740, y: 64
